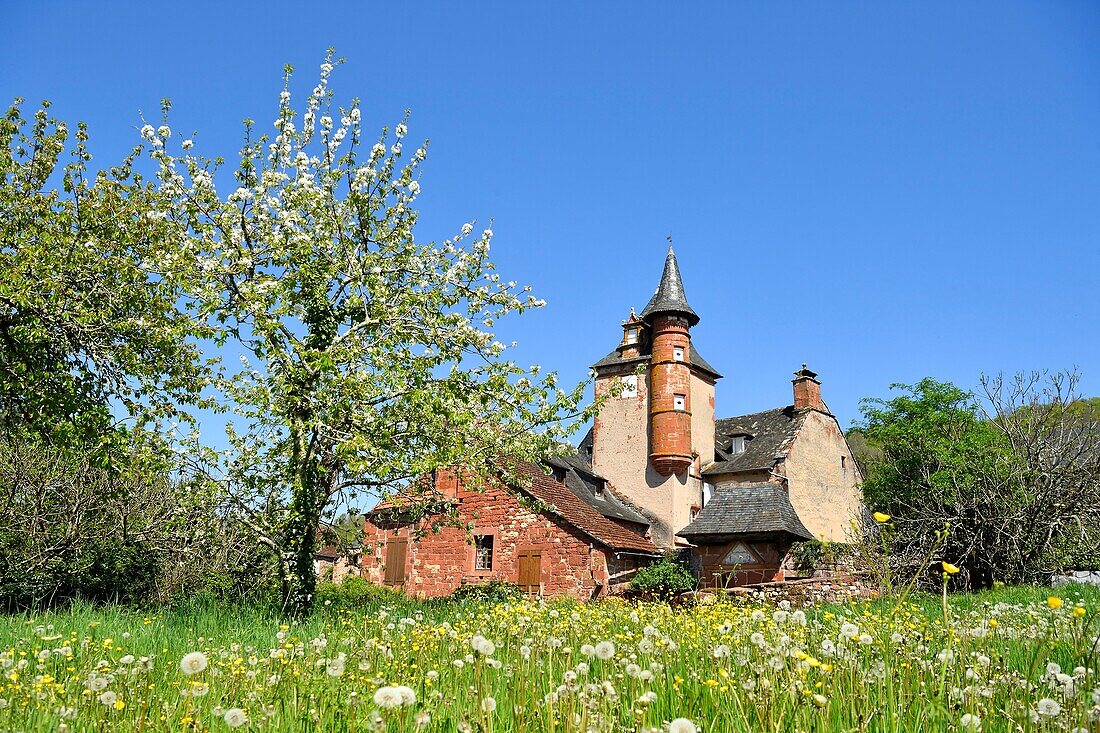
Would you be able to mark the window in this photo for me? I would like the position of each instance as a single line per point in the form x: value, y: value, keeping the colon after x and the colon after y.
x: 844, y: 462
x: 677, y: 353
x: 693, y: 514
x: 630, y: 386
x: 483, y: 552
x: 737, y: 444
x: 597, y: 489
x: 679, y: 402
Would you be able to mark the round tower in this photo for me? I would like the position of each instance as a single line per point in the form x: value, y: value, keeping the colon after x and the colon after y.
x: 670, y: 319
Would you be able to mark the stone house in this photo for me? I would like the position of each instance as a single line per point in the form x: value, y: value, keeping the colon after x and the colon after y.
x: 532, y: 530
x: 736, y: 492
x: 657, y: 472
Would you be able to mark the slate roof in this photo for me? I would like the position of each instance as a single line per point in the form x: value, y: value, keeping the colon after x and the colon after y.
x: 593, y: 490
x: 560, y: 500
x: 573, y: 510
x: 697, y: 361
x: 768, y: 438
x: 743, y: 512
x: 670, y: 296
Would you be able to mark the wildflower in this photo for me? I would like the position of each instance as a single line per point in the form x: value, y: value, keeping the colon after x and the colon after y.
x: 721, y: 651
x: 335, y: 667
x: 422, y: 719
x: 1079, y: 611
x: 682, y: 725
x: 108, y: 698
x: 235, y: 717
x: 949, y: 568
x: 489, y: 704
x: 97, y: 684
x: 408, y: 695
x: 388, y: 698
x: 881, y: 518
x: 1054, y: 602
x: 970, y: 722
x: 849, y: 630
x: 820, y: 701
x: 1048, y: 707
x: 605, y: 650
x: 193, y: 663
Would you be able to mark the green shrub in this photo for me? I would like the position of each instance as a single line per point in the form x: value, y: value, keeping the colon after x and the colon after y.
x: 354, y: 594
x: 664, y: 579
x: 495, y: 591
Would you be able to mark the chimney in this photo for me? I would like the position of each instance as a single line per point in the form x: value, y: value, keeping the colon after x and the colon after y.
x: 807, y: 390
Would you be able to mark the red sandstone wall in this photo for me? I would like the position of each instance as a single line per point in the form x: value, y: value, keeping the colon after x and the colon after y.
x: 439, y: 562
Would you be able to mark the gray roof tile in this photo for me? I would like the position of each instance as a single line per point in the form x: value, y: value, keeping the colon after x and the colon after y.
x: 746, y: 511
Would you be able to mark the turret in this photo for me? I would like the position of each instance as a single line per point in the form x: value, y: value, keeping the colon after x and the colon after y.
x: 670, y: 319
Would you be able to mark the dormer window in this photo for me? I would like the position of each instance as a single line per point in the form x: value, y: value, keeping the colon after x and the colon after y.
x: 597, y: 489
x: 678, y: 353
x: 737, y: 445
x: 679, y: 402
x: 631, y: 335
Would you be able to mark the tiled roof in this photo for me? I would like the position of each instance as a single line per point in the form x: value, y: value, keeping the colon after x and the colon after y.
x: 567, y: 505
x: 768, y: 438
x: 697, y: 361
x: 670, y: 296
x: 754, y: 510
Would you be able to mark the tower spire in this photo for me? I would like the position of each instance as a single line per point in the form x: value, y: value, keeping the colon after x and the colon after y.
x: 669, y: 296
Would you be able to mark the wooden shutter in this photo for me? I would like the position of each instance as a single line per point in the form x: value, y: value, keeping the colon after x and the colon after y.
x: 529, y: 567
x: 396, y: 552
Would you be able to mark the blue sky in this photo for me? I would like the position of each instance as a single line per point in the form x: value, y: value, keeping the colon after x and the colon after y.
x: 885, y: 192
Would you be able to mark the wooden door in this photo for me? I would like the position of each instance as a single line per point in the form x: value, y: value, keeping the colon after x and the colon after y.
x: 397, y: 550
x: 529, y: 575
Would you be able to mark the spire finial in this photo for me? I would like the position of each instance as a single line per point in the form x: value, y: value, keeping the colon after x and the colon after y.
x: 669, y: 238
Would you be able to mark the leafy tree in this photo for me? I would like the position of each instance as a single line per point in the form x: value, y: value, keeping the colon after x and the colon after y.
x: 1016, y: 476
x: 89, y: 327
x: 368, y: 356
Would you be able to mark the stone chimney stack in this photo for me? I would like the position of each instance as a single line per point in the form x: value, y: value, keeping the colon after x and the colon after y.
x: 807, y: 390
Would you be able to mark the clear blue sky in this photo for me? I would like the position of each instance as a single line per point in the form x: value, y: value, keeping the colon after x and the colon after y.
x: 883, y: 191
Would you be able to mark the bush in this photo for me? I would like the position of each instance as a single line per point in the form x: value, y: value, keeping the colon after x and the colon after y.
x: 495, y: 591
x: 663, y: 579
x: 354, y: 594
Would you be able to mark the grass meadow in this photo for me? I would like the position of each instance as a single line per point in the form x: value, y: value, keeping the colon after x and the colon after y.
x: 1014, y: 659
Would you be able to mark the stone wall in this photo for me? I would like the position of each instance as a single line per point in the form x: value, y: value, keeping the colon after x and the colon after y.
x: 809, y: 592
x: 441, y: 558
x: 823, y: 479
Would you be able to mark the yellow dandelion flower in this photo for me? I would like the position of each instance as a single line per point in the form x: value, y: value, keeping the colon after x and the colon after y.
x: 1079, y: 611
x: 881, y: 517
x: 1054, y: 602
x: 949, y: 568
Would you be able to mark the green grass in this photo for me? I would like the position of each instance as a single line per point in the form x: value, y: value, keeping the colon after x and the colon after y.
x: 868, y: 666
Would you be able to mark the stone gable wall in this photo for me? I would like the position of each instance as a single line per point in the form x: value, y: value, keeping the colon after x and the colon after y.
x: 441, y: 561
x: 824, y: 490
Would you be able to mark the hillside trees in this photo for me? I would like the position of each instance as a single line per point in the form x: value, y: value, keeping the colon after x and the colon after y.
x: 1015, y: 474
x: 367, y: 356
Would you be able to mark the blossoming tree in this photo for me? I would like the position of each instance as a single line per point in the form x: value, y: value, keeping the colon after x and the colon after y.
x: 367, y: 356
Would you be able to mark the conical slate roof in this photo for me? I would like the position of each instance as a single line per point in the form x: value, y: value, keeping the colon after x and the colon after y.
x: 670, y: 296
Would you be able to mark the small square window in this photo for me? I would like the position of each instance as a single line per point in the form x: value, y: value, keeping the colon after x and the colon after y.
x: 677, y: 353
x: 483, y: 552
x: 679, y: 402
x: 630, y: 386
x: 632, y: 335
